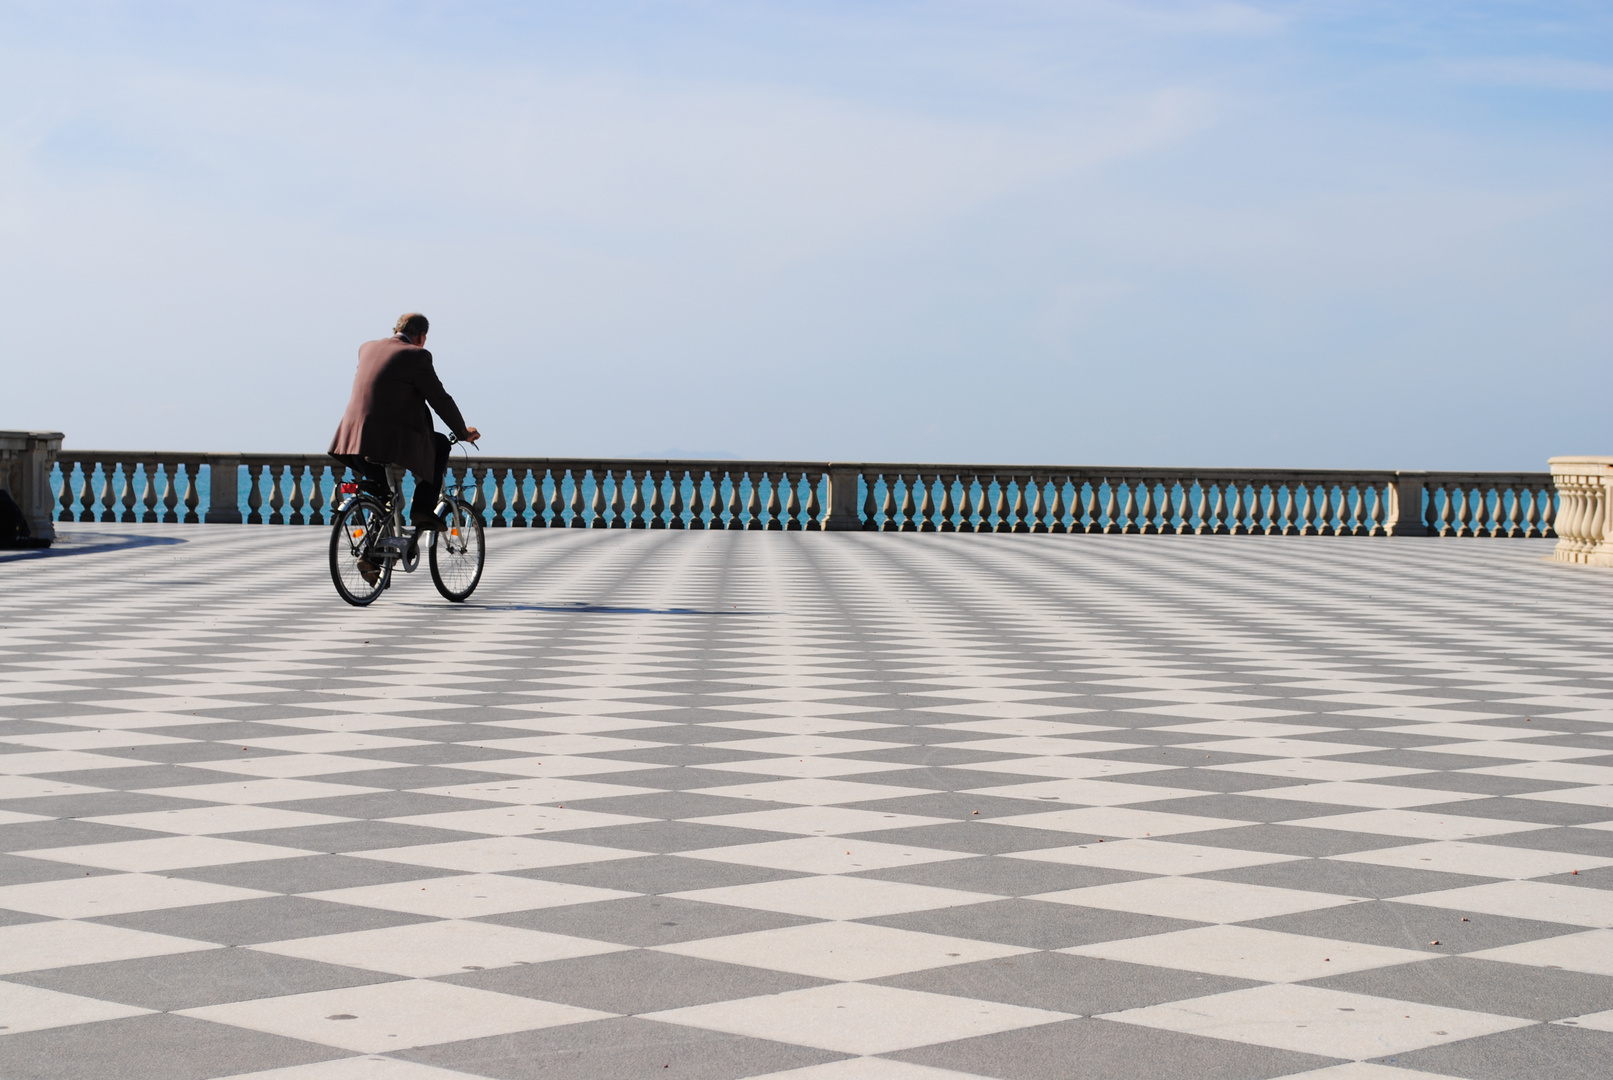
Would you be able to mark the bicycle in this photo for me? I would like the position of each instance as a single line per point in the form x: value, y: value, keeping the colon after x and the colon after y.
x: 369, y: 540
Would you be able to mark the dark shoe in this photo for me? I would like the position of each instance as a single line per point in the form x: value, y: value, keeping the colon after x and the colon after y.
x: 369, y: 572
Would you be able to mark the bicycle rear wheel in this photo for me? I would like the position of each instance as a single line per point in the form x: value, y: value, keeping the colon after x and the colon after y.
x: 457, y: 552
x: 359, y: 526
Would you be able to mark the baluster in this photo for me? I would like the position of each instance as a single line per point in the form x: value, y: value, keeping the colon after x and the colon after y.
x: 736, y: 509
x: 814, y: 507
x: 792, y: 504
x: 966, y: 505
x: 717, y: 502
x: 1036, y: 514
x: 65, y: 496
x: 635, y: 506
x: 1055, y: 513
x: 1463, y: 512
x: 1531, y: 515
x: 1442, y: 510
x: 596, y: 504
x: 945, y: 508
x: 86, y: 494
x: 1548, y: 512
x: 1170, y: 507
x: 578, y: 519
x: 923, y: 508
x: 1233, y: 524
x: 1084, y: 513
x: 1212, y: 512
x: 697, y: 502
x: 1513, y: 524
x: 148, y: 493
x: 1268, y: 503
x: 294, y: 480
x: 1000, y: 512
x: 277, y: 498
x: 887, y: 510
x: 518, y: 498
x: 127, y: 497
x: 1479, y: 512
x: 617, y: 504
x: 254, y: 495
x: 1377, y: 514
x: 773, y: 513
x: 675, y: 504
x: 870, y: 522
x: 1320, y: 519
x: 316, y: 496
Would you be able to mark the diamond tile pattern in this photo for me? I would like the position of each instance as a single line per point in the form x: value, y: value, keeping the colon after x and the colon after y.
x: 827, y: 807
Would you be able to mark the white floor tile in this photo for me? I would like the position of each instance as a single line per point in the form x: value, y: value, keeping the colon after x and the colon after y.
x: 857, y: 1019
x: 1246, y: 953
x: 1310, y: 1020
x: 115, y: 894
x: 393, y: 1016
x: 40, y: 946
x: 446, y: 947
x: 824, y: 855
x: 1199, y: 899
x: 837, y: 897
x: 1590, y: 952
x: 28, y: 1008
x: 468, y: 896
x: 843, y: 951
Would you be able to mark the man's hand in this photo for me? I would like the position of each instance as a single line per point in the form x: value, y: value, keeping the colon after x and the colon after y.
x: 472, y: 436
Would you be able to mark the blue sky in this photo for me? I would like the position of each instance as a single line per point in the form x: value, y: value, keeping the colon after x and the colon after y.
x: 1307, y: 234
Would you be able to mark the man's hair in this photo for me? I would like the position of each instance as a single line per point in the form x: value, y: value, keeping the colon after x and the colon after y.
x: 413, y: 324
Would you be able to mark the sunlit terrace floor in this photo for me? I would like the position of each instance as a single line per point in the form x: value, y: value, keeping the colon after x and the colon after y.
x: 714, y: 805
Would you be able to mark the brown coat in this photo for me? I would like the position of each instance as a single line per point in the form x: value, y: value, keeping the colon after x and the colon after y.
x: 387, y: 419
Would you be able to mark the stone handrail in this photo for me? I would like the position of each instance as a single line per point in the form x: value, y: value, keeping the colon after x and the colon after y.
x: 531, y: 492
x: 1584, y: 485
x: 26, y: 459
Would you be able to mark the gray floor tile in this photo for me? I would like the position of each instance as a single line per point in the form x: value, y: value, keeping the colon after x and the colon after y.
x: 656, y: 874
x: 673, y: 805
x: 193, y: 979
x: 385, y: 804
x: 1594, y: 842
x: 1600, y: 878
x: 662, y: 837
x: 157, y: 1046
x: 66, y: 832
x: 252, y: 922
x: 309, y: 873
x: 977, y: 837
x: 340, y: 836
x: 1082, y: 985
x: 97, y: 804
x: 1003, y: 876
x: 21, y: 870
x: 1032, y: 924
x: 1343, y: 878
x: 647, y: 920
x: 1461, y: 982
x: 616, y: 1049
x: 1414, y: 926
x: 1535, y: 810
x: 951, y: 804
x: 1541, y: 1050
x: 634, y: 982
x: 1238, y: 807
x: 1279, y: 839
x: 1105, y: 1050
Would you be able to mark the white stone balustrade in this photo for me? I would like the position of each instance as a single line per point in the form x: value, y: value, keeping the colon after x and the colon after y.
x: 298, y: 489
x: 1584, y: 486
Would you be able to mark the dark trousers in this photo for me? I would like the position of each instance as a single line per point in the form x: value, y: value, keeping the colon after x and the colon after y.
x: 426, y: 488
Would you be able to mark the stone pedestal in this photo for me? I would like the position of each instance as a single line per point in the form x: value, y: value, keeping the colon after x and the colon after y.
x: 26, y: 460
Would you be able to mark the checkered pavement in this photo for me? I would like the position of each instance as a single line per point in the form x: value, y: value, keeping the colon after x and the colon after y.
x: 825, y: 807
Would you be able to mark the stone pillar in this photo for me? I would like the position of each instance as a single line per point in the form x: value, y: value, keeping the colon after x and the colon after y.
x: 842, y: 515
x: 1406, y: 516
x: 26, y: 460
x: 223, y: 489
x: 1584, y: 487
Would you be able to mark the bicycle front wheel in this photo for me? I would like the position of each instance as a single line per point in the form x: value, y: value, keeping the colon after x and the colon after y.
x: 457, y: 552
x: 359, y: 579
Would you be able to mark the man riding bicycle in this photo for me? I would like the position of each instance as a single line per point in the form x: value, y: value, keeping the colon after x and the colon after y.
x: 388, y: 423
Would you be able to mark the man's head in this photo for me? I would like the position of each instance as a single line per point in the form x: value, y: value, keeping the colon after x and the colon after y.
x: 413, y: 326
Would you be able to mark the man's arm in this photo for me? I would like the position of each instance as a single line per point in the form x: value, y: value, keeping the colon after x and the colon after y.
x: 438, y: 398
